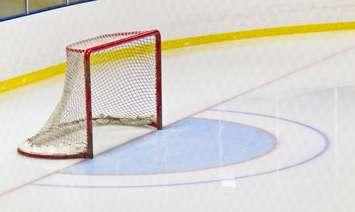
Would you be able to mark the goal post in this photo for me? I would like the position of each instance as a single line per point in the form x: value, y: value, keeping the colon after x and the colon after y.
x: 113, y: 79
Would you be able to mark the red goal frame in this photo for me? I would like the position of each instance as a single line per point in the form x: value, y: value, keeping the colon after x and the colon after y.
x: 87, y: 55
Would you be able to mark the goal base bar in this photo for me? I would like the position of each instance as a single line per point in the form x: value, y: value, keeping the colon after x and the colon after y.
x: 54, y: 156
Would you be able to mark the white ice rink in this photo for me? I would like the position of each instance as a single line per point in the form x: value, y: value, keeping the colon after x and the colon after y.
x: 301, y: 89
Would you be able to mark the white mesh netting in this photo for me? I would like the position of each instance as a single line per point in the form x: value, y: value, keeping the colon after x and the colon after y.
x: 123, y: 92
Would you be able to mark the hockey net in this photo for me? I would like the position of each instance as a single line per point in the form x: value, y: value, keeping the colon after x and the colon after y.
x: 112, y: 79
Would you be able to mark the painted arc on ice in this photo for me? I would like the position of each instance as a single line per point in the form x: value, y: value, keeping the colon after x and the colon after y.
x: 188, y: 145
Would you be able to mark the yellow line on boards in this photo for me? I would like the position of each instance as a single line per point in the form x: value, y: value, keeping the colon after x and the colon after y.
x: 122, y: 53
x: 26, y: 79
x: 258, y: 33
